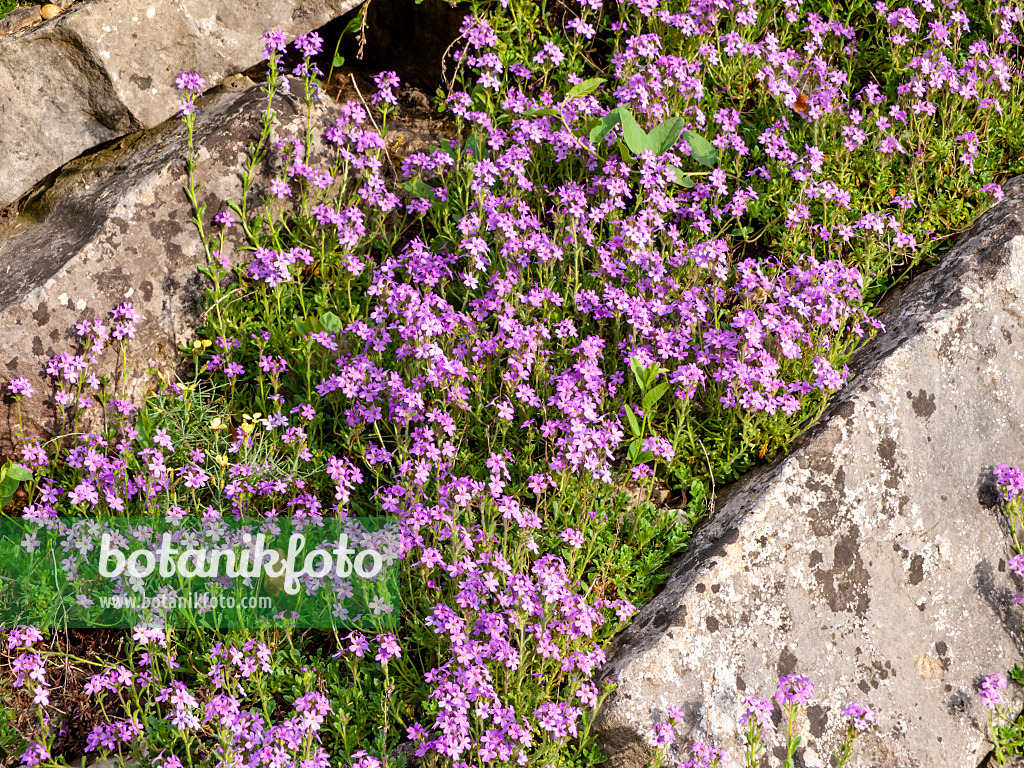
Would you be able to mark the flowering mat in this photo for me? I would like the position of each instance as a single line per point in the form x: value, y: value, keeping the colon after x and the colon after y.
x: 639, y: 257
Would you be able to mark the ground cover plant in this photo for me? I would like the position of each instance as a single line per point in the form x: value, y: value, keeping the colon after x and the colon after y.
x: 659, y: 232
x: 1006, y: 730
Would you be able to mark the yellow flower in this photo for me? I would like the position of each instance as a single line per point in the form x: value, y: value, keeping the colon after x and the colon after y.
x: 248, y: 427
x: 221, y: 459
x: 217, y: 424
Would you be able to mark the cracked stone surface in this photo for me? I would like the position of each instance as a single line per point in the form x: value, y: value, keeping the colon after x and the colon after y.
x: 873, y: 557
x: 116, y: 226
x: 110, y: 71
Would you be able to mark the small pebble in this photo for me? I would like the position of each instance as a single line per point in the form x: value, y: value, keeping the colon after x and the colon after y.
x: 49, y: 11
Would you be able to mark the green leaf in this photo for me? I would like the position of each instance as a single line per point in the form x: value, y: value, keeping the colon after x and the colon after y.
x: 702, y: 150
x: 19, y: 473
x: 331, y: 322
x: 7, y: 488
x: 624, y: 151
x: 356, y: 22
x: 682, y: 179
x: 418, y: 188
x: 636, y: 139
x: 665, y: 135
x: 634, y: 424
x: 339, y: 60
x: 606, y: 123
x: 1017, y: 674
x: 585, y: 88
x: 546, y: 112
x: 638, y: 371
x: 652, y: 397
x: 634, y: 451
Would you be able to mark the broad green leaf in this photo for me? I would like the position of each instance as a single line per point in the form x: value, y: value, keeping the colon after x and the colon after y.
x: 7, y: 488
x: 665, y: 135
x: 605, y: 124
x: 624, y: 151
x: 634, y: 451
x: 418, y: 188
x: 638, y: 371
x: 653, y: 370
x: 585, y: 88
x: 339, y: 61
x: 636, y: 139
x: 681, y: 178
x: 634, y: 424
x: 356, y: 22
x: 702, y: 150
x: 19, y: 473
x: 546, y: 112
x: 652, y: 397
x: 330, y: 321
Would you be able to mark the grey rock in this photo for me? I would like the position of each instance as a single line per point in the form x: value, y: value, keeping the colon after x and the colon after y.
x: 19, y: 20
x: 110, y: 71
x: 872, y: 558
x: 114, y: 226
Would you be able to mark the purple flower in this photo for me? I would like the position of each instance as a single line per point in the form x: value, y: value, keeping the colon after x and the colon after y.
x: 572, y: 537
x: 794, y: 689
x: 860, y: 715
x: 1011, y: 481
x: 274, y: 42
x: 385, y: 81
x: 233, y: 369
x: 225, y: 219
x: 20, y: 386
x: 190, y: 81
x: 758, y: 711
x: 662, y: 734
x: 309, y: 44
x: 388, y: 648
x: 990, y: 691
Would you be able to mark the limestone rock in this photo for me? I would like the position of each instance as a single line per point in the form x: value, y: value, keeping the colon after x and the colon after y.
x: 116, y: 226
x: 872, y: 558
x: 19, y: 20
x: 111, y: 66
